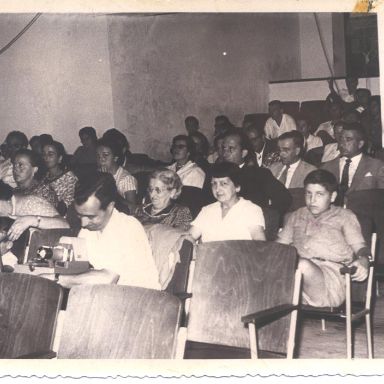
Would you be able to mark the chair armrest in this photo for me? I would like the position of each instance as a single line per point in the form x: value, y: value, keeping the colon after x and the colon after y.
x: 346, y: 269
x: 269, y: 314
x: 38, y: 355
x: 183, y: 295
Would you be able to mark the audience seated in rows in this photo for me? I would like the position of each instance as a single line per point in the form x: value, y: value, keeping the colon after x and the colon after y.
x: 278, y: 122
x: 161, y: 208
x: 326, y: 238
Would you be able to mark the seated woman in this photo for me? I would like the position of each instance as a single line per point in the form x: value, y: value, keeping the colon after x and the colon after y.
x: 58, y: 177
x: 183, y: 152
x: 18, y: 213
x: 108, y: 154
x: 25, y: 166
x: 326, y: 238
x: 231, y: 217
x: 164, y: 188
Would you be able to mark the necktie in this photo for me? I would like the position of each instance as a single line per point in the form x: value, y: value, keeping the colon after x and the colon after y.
x: 343, y: 186
x: 283, y: 176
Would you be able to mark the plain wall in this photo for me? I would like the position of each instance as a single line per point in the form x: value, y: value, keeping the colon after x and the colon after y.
x: 56, y: 77
x: 166, y: 67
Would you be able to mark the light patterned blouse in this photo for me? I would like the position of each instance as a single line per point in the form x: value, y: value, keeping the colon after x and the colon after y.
x: 124, y: 181
x: 64, y: 186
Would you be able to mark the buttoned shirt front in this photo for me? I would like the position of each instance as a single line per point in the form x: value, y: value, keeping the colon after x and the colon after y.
x: 273, y: 130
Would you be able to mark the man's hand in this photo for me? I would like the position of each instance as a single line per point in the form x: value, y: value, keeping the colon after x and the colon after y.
x: 20, y: 225
x: 362, y: 265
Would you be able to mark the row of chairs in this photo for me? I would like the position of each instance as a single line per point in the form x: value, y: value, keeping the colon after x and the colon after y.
x: 235, y: 285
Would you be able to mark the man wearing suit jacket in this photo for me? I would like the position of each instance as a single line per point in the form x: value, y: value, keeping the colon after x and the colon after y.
x: 361, y: 183
x: 256, y: 183
x: 266, y: 151
x: 291, y: 170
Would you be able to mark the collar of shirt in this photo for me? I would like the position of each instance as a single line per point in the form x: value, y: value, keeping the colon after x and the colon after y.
x: 352, y: 168
x: 259, y: 156
x: 241, y: 165
x: 291, y: 171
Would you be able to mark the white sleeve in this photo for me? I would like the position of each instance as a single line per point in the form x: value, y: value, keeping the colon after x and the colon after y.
x: 268, y: 129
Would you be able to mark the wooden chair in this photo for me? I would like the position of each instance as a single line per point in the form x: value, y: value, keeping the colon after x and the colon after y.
x: 119, y: 322
x: 241, y: 281
x: 358, y: 305
x: 29, y: 306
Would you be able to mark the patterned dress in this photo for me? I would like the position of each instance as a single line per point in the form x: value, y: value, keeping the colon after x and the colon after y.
x: 39, y: 189
x: 64, y: 186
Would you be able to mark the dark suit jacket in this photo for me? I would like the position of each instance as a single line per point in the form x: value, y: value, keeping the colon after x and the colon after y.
x: 259, y: 186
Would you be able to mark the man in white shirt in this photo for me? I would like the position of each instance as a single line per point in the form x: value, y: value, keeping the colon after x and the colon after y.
x: 117, y: 246
x: 291, y: 170
x: 304, y: 126
x: 278, y: 122
x: 335, y: 112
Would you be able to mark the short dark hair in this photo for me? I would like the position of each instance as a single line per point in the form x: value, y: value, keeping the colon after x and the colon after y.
x: 90, y: 131
x: 244, y: 140
x: 32, y: 156
x: 192, y: 119
x: 275, y: 102
x: 120, y: 140
x: 254, y: 127
x: 113, y: 145
x: 102, y: 185
x: 296, y: 136
x: 322, y: 177
x: 301, y: 116
x: 189, y: 142
x: 358, y: 128
x: 226, y: 169
x: 59, y: 147
x: 20, y: 136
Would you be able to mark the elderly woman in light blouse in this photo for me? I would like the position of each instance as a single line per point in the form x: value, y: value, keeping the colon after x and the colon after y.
x: 163, y: 189
x: 231, y: 217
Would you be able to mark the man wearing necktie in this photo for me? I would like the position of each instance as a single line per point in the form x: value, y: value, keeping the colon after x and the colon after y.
x: 361, y: 183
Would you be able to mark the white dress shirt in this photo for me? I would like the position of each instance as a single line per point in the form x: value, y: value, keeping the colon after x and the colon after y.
x: 291, y: 171
x: 352, y: 167
x: 273, y: 130
x: 313, y: 142
x: 190, y: 174
x: 259, y: 156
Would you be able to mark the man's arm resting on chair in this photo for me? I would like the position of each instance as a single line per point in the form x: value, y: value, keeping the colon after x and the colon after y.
x: 361, y: 262
x: 102, y: 276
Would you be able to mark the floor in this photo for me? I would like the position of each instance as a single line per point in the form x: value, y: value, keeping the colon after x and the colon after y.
x: 313, y: 342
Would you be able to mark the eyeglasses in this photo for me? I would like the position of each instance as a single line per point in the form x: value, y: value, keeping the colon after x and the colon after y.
x: 157, y: 190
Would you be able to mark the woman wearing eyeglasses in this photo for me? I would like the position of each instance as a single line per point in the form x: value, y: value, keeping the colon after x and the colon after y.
x: 183, y: 152
x: 164, y: 188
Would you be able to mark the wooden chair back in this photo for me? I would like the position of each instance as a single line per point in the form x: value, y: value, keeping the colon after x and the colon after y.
x: 179, y: 281
x: 29, y: 306
x: 119, y: 322
x: 236, y: 278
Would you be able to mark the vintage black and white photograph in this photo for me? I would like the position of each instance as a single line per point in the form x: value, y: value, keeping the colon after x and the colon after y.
x: 191, y: 185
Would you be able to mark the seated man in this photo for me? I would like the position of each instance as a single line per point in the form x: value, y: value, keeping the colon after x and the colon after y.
x: 291, y: 170
x: 117, y: 246
x: 326, y: 237
x: 304, y: 125
x: 278, y: 122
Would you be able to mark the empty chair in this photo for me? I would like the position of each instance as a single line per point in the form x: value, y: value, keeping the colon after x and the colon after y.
x: 29, y: 306
x: 250, y: 280
x: 119, y: 322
